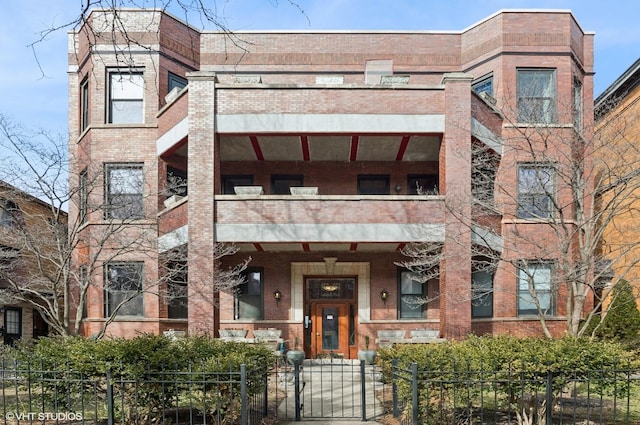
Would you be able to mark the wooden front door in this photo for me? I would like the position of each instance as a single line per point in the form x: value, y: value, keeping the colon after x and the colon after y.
x: 332, y: 330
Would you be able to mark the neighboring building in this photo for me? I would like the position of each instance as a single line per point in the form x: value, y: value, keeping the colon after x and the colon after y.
x: 618, y: 128
x: 20, y: 215
x: 322, y: 155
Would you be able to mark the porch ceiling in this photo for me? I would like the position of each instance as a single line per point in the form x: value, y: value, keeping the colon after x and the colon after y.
x: 320, y: 247
x: 345, y: 147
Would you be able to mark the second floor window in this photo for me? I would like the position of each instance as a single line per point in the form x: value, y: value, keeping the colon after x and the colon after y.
x: 422, y: 184
x: 126, y: 95
x: 177, y: 290
x: 83, y: 193
x: 373, y: 184
x: 536, y: 189
x: 230, y: 182
x: 124, y: 195
x: 536, y: 91
x: 280, y: 183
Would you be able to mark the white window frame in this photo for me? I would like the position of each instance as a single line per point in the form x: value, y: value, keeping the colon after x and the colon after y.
x: 126, y: 97
x: 536, y: 190
x: 537, y: 93
x: 535, y: 283
x: 114, y: 294
x: 124, y: 197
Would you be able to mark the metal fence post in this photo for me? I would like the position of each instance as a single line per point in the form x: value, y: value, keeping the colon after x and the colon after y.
x: 414, y: 388
x: 296, y: 374
x: 363, y: 391
x: 244, y: 420
x: 394, y: 388
x: 110, y: 418
x: 549, y: 398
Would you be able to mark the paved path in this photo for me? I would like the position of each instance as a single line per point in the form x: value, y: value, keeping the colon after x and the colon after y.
x: 332, y: 393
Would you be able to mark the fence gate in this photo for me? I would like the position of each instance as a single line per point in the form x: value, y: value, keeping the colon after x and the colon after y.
x: 329, y: 388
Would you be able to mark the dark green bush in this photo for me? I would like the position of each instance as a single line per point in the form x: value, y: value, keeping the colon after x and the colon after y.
x: 148, y: 372
x: 513, y: 368
x: 622, y: 321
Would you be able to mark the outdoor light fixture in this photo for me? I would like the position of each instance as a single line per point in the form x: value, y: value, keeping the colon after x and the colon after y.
x: 384, y: 295
x: 398, y: 188
x: 277, y: 295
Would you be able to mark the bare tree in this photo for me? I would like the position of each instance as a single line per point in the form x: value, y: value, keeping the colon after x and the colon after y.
x: 574, y: 188
x: 39, y: 256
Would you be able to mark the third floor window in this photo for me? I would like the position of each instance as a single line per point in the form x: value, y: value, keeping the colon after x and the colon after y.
x: 126, y: 94
x: 536, y: 91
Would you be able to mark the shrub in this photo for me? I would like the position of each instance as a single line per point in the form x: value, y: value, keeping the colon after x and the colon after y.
x: 149, y: 372
x: 622, y: 321
x: 514, y: 368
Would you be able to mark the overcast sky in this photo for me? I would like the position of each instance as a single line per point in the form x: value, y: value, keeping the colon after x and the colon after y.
x: 33, y: 81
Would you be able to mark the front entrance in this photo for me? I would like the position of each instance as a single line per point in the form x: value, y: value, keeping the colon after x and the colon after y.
x: 332, y: 333
x: 330, y: 319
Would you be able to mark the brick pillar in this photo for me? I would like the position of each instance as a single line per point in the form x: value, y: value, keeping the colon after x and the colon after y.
x: 201, y: 169
x: 455, y: 280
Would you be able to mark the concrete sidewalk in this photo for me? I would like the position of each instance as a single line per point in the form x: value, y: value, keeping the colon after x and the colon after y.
x: 327, y: 421
x: 332, y: 394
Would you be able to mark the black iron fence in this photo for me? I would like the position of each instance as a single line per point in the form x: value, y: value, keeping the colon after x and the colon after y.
x: 607, y: 396
x: 32, y: 394
x: 319, y: 389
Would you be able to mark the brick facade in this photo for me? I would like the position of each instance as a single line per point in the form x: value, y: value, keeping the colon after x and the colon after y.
x: 307, y: 106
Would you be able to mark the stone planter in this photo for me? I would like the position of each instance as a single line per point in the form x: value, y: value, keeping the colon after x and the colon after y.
x: 248, y: 190
x: 233, y: 333
x: 295, y: 357
x: 172, y: 200
x: 303, y: 190
x: 267, y: 334
x: 425, y: 333
x: 391, y: 334
x: 367, y: 356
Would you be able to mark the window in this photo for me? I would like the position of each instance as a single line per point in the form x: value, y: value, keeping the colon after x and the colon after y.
x: 484, y: 164
x: 426, y: 184
x: 280, y: 183
x: 248, y: 300
x: 535, y: 191
x: 413, y: 294
x: 10, y: 214
x: 126, y: 94
x: 373, y: 184
x: 84, y: 286
x: 536, y: 91
x: 481, y: 294
x: 577, y: 104
x: 84, y: 104
x: 123, y: 289
x: 124, y: 191
x: 83, y: 193
x: 483, y: 85
x: 176, y: 81
x: 176, y: 182
x: 177, y: 289
x: 229, y: 182
x: 534, y: 285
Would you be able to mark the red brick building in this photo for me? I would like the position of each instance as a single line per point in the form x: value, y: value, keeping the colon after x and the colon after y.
x: 377, y: 127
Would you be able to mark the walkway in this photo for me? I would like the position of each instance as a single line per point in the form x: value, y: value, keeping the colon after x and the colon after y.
x: 332, y: 393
